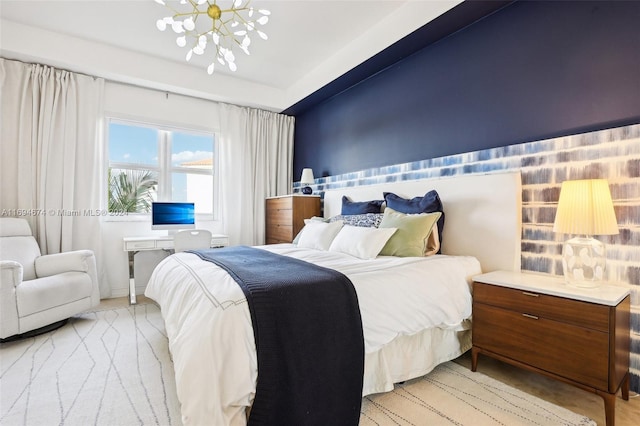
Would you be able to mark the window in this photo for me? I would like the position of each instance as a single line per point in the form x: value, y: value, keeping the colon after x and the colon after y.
x: 148, y: 163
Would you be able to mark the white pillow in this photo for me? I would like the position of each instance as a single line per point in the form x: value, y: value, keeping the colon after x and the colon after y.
x: 311, y: 219
x: 361, y: 242
x: 319, y: 235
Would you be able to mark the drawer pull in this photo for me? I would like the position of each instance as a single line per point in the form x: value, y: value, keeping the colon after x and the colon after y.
x: 526, y: 293
x: 530, y: 316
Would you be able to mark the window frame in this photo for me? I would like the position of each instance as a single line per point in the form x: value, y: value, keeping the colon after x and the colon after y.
x: 164, y: 168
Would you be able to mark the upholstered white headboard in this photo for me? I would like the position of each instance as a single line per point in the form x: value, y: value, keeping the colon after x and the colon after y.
x: 483, y: 213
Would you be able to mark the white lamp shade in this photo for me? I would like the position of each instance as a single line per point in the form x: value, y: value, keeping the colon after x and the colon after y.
x: 307, y: 177
x: 585, y: 208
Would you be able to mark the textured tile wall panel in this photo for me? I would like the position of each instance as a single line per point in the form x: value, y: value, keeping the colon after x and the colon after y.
x: 612, y: 154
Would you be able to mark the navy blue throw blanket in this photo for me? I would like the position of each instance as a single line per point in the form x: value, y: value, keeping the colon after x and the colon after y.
x: 308, y: 332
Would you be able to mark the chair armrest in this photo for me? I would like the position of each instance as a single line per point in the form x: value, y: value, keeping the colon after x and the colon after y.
x: 79, y: 260
x: 53, y: 264
x: 10, y: 274
x: 10, y: 278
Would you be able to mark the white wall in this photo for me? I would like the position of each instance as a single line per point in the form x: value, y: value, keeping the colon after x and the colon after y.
x: 131, y: 102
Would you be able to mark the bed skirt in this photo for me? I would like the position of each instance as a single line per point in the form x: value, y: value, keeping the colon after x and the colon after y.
x: 387, y: 365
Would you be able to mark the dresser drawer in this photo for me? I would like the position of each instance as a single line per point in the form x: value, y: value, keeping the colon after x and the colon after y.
x: 283, y: 203
x: 576, y: 312
x: 279, y: 217
x: 280, y: 234
x: 576, y: 353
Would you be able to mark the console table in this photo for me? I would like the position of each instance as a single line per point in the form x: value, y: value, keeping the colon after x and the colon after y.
x: 132, y: 245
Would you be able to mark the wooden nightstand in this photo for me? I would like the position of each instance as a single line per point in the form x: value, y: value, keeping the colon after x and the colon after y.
x: 285, y: 216
x: 537, y: 322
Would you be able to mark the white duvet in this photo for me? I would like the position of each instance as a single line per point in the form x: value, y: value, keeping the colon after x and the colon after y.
x: 209, y: 326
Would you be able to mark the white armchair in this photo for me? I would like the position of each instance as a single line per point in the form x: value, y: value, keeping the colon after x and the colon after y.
x: 37, y: 291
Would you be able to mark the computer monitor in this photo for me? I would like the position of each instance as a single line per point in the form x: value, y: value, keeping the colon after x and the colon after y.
x: 172, y: 216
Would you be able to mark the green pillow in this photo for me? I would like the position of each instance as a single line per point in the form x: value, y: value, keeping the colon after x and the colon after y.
x: 410, y: 240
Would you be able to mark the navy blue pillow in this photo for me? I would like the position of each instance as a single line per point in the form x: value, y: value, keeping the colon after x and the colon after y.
x: 430, y: 203
x: 360, y: 207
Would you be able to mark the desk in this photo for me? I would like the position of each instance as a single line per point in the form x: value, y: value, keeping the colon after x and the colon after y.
x: 132, y: 245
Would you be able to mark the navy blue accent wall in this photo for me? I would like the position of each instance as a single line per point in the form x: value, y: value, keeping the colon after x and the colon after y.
x: 532, y: 70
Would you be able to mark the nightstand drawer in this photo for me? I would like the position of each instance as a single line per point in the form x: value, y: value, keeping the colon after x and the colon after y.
x: 583, y: 314
x: 576, y: 353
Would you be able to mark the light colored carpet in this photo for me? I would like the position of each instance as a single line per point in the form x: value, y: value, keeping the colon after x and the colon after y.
x: 103, y: 368
x: 113, y: 367
x: 453, y: 395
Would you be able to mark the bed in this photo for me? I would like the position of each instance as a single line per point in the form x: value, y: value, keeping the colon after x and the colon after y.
x: 410, y: 323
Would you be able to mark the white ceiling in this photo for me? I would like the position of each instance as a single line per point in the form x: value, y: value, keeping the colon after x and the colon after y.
x: 311, y: 43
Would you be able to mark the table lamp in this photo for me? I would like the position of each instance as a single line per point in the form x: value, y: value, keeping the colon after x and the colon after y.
x: 584, y: 209
x: 307, y: 179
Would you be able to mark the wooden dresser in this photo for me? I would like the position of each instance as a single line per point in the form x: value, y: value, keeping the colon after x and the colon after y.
x: 537, y: 322
x: 285, y: 216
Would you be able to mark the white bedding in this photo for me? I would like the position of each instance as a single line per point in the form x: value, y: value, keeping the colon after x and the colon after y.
x: 211, y: 338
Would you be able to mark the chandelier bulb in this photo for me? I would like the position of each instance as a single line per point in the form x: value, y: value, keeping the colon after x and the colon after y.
x: 181, y: 41
x: 229, y: 56
x: 189, y: 24
x: 189, y: 55
x: 177, y: 27
x: 262, y: 35
x: 210, y: 68
x: 161, y: 25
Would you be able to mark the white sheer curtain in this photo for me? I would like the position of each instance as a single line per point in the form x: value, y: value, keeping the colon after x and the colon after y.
x: 256, y: 161
x: 52, y: 156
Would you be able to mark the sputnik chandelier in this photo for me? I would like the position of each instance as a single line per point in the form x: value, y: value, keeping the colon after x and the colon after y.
x: 201, y: 22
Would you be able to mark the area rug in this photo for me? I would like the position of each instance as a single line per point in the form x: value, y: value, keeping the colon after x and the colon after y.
x: 453, y: 395
x: 113, y: 367
x: 109, y: 367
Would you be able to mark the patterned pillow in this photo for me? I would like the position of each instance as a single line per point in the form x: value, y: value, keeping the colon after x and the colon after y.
x: 367, y: 220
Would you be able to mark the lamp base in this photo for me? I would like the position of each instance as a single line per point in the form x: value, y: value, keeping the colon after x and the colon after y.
x: 583, y: 262
x: 307, y: 190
